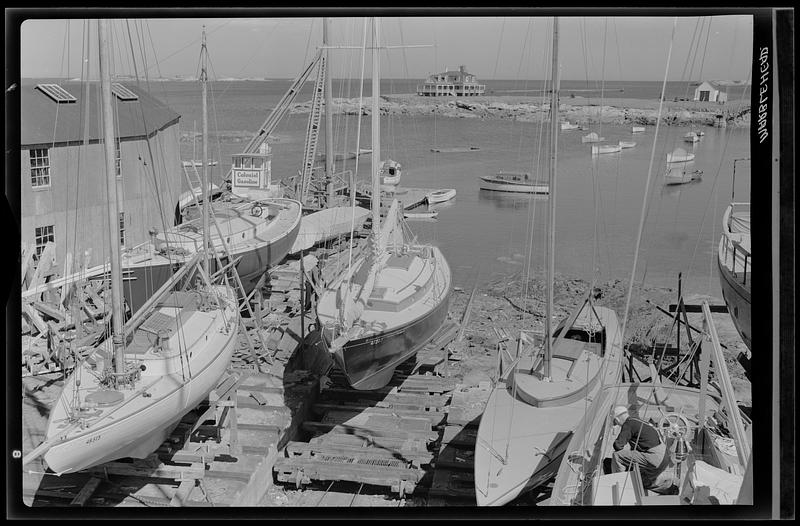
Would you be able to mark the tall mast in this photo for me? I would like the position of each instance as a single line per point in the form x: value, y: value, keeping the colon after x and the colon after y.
x: 111, y: 197
x: 203, y: 78
x: 328, y: 113
x: 376, y: 130
x: 551, y: 222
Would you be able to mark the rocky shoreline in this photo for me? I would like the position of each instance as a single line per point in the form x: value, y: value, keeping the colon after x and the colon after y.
x: 577, y: 110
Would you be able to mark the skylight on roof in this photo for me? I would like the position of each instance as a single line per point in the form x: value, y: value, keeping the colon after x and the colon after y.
x: 122, y: 92
x: 56, y: 92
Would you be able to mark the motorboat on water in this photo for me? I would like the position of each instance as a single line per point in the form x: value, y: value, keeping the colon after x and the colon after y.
x: 516, y: 182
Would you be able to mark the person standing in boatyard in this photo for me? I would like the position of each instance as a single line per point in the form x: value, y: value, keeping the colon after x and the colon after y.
x: 646, y: 447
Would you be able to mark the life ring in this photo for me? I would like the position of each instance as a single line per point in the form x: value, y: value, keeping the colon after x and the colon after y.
x: 256, y: 211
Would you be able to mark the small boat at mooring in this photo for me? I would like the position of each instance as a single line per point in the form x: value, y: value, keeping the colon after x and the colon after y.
x: 681, y: 176
x: 691, y: 137
x: 390, y: 172
x: 637, y: 129
x: 457, y: 149
x: 440, y: 196
x: 421, y: 215
x: 626, y: 144
x: 592, y: 137
x: 606, y: 148
x: 566, y: 125
x: 518, y: 182
x: 679, y: 156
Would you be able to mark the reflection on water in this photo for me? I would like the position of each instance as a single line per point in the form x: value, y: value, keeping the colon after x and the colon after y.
x: 674, y: 190
x: 509, y: 199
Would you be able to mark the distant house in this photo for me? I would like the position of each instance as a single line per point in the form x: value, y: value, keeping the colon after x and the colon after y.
x: 63, y: 174
x: 710, y: 92
x: 457, y: 83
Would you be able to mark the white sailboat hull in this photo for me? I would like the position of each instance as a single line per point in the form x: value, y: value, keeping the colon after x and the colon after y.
x: 169, y: 387
x: 520, y: 445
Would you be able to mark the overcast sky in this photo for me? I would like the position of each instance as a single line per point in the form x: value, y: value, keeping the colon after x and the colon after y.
x: 614, y: 48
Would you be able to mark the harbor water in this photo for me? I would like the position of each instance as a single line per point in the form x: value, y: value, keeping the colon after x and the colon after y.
x: 599, y: 199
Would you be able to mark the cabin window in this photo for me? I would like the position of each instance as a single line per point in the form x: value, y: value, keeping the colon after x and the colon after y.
x: 117, y: 157
x: 237, y: 162
x: 246, y: 162
x: 122, y: 228
x: 257, y: 164
x: 40, y: 167
x: 42, y: 236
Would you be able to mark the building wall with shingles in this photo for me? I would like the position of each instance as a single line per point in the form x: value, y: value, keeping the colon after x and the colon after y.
x: 75, y: 200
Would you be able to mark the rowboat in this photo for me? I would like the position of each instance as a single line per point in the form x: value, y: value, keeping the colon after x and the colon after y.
x: 421, y: 215
x: 440, y: 196
x: 518, y: 182
x: 681, y: 176
x: 606, y: 148
x: 679, y: 156
x: 626, y: 144
x: 637, y: 129
x: 456, y: 149
x: 569, y: 126
x: 691, y: 137
x: 592, y: 137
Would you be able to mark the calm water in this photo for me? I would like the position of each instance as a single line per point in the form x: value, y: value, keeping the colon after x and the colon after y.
x: 492, y: 232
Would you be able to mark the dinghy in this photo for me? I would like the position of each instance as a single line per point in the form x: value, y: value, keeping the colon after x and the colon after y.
x: 691, y: 137
x: 440, y: 196
x: 606, y: 148
x: 626, y: 144
x: 679, y: 156
x: 592, y: 137
x: 637, y: 129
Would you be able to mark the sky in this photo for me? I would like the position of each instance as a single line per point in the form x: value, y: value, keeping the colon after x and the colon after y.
x: 512, y: 47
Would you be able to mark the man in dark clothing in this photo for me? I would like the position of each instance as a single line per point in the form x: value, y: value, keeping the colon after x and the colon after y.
x: 645, y: 445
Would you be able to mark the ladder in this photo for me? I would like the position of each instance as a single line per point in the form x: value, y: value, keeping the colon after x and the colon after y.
x: 282, y: 108
x: 312, y: 132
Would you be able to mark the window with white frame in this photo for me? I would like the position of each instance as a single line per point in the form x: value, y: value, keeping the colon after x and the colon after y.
x: 42, y: 236
x: 118, y: 157
x: 40, y: 167
x: 122, y: 228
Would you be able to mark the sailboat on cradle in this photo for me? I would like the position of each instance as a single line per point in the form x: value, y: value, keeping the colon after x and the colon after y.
x: 126, y: 397
x: 539, y: 400
x: 253, y: 225
x: 708, y: 442
x: 392, y: 300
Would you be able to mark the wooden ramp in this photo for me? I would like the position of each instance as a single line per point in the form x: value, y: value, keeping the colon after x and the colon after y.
x: 218, y: 455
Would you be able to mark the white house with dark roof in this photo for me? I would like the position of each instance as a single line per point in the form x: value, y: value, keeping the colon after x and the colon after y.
x: 63, y: 187
x: 710, y: 91
x: 454, y: 83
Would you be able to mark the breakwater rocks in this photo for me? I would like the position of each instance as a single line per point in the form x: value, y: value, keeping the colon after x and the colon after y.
x: 577, y: 110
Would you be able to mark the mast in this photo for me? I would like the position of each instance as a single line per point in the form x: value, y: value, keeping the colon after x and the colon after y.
x: 203, y: 78
x: 551, y: 221
x: 376, y: 131
x: 111, y: 196
x: 328, y: 113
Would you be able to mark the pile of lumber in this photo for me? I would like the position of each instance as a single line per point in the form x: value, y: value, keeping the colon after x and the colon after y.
x: 61, y: 317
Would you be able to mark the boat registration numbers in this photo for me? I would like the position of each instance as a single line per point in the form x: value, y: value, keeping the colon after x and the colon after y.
x: 93, y: 439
